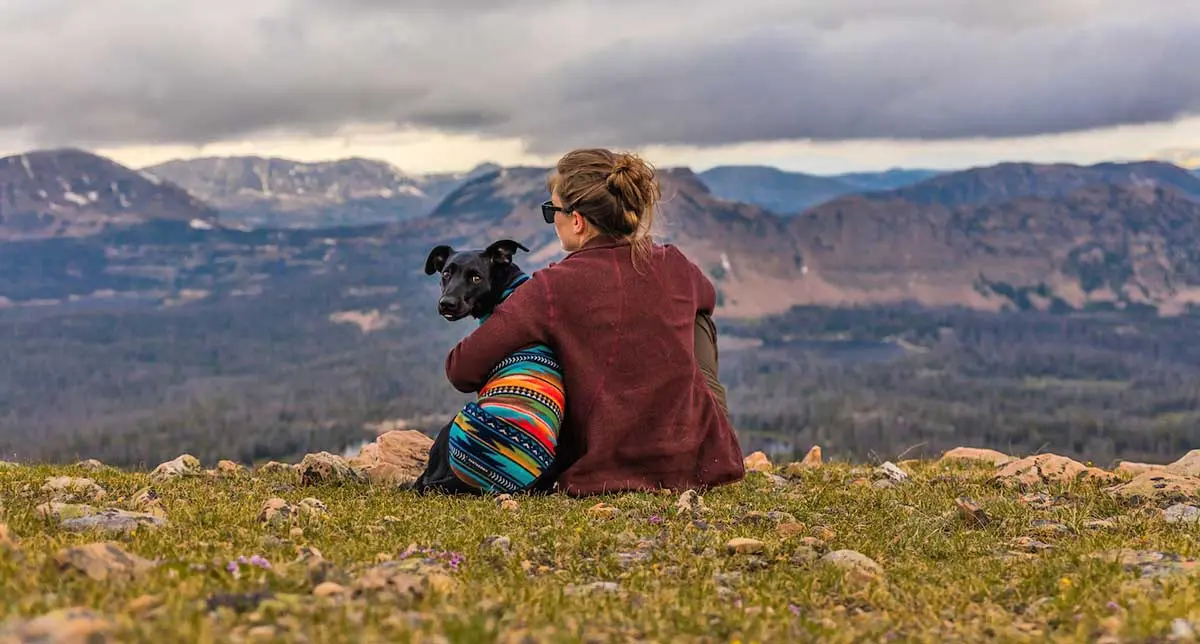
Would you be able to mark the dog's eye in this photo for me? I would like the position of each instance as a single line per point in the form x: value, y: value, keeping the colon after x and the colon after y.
x: 475, y: 279
x: 445, y: 275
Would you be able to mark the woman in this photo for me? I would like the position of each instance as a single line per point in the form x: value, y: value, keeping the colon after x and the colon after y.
x: 619, y: 312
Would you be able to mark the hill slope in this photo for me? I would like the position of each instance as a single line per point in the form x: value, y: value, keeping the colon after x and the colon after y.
x: 933, y: 552
x: 72, y: 193
x: 776, y: 190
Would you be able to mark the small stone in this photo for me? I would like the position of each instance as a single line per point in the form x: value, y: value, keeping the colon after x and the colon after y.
x: 603, y: 511
x: 276, y: 511
x: 275, y: 467
x: 976, y: 455
x: 312, y: 508
x: 395, y: 458
x: 1045, y: 469
x: 811, y: 461
x: 883, y: 484
x: 296, y: 533
x: 114, y: 521
x: 804, y: 555
x: 63, y: 511
x: 758, y: 462
x: 1158, y: 486
x: 1100, y: 524
x: 690, y: 503
x: 91, y: 465
x: 72, y: 489
x: 854, y: 561
x: 63, y: 626
x: 823, y: 533
x: 230, y: 468
x: 814, y: 543
x: 497, y: 543
x: 509, y: 505
x: 788, y: 530
x: 181, y: 466
x: 742, y: 545
x: 1182, y: 513
x: 328, y: 589
x: 970, y: 511
x: 1029, y: 544
x: 146, y: 500
x: 323, y: 468
x: 1047, y: 527
x: 892, y: 472
x: 102, y: 561
x: 778, y: 516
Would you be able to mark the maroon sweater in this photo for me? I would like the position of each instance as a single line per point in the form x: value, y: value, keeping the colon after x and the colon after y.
x: 639, y: 412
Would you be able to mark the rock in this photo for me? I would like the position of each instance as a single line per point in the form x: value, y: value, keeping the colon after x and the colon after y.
x: 393, y: 579
x: 1187, y: 465
x: 1099, y: 524
x: 742, y: 545
x: 395, y: 458
x: 853, y: 561
x: 976, y: 455
x: 603, y: 511
x: 811, y: 461
x: 115, y: 521
x: 883, y: 484
x: 147, y: 500
x: 1181, y: 513
x: 312, y: 508
x: 276, y: 512
x: 91, y: 465
x: 328, y: 589
x: 1045, y: 469
x: 1158, y: 486
x: 1133, y: 469
x: 1049, y: 528
x: 63, y: 626
x: 102, y: 561
x: 758, y: 462
x: 1150, y: 563
x: 509, y: 505
x: 182, y: 466
x: 62, y: 511
x: 230, y: 468
x: 70, y: 489
x: 275, y: 467
x: 323, y: 468
x: 789, y: 529
x: 804, y: 555
x: 971, y: 512
x: 497, y: 543
x: 690, y: 503
x: 892, y: 472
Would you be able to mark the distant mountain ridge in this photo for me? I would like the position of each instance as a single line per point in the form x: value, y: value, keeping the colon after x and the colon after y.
x: 73, y: 193
x: 270, y: 192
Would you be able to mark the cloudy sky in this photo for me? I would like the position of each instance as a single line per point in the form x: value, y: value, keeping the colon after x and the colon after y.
x: 822, y: 86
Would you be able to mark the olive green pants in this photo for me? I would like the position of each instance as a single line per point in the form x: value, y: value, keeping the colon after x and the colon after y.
x: 706, y: 355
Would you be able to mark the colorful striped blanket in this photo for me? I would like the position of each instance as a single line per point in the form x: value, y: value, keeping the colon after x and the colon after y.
x: 506, y: 439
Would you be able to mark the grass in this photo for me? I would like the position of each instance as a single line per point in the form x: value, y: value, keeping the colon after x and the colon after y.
x: 944, y: 579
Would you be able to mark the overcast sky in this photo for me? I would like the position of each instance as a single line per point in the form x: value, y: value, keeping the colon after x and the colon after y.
x: 443, y: 84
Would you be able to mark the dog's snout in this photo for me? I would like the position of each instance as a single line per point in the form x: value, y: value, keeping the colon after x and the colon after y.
x: 446, y: 305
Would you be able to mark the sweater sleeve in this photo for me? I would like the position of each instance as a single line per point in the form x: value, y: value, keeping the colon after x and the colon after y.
x: 521, y: 320
x: 706, y: 293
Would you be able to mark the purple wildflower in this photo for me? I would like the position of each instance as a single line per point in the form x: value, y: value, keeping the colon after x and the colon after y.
x: 655, y: 519
x: 794, y: 609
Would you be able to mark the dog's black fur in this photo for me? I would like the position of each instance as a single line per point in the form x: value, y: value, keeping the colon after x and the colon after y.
x: 472, y: 283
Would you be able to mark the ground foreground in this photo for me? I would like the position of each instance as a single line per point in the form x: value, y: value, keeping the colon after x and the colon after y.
x: 962, y: 550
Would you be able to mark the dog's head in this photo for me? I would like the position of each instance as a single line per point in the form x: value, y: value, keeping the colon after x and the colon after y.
x: 472, y: 280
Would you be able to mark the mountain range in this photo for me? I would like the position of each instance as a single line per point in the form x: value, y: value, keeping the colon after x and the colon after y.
x: 1011, y: 235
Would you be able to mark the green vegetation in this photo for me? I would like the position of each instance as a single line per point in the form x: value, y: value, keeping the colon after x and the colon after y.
x: 641, y: 571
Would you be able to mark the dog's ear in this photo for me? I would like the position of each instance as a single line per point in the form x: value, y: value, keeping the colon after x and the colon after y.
x: 502, y: 252
x: 437, y: 259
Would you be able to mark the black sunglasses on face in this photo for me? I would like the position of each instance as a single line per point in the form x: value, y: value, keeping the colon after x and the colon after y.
x: 548, y: 210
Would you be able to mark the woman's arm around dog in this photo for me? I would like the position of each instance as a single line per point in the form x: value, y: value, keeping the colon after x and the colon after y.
x: 524, y: 319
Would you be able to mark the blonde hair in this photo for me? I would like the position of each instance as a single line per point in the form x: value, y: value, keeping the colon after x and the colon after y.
x: 615, y: 192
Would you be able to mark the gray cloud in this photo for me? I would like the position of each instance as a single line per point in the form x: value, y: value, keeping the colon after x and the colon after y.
x: 575, y: 72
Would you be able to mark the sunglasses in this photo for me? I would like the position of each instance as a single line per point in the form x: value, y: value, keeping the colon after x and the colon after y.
x: 548, y: 210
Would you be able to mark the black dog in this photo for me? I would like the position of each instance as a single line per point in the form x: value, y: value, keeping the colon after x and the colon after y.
x: 473, y: 284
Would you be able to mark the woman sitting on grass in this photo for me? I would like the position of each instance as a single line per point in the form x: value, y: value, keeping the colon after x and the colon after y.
x: 621, y: 314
